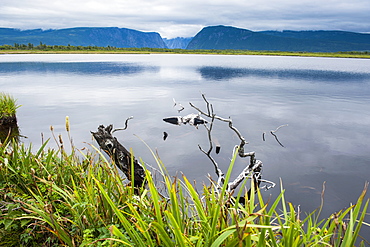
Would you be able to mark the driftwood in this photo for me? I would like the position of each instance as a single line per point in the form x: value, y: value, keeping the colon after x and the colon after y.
x: 119, y: 154
x: 253, y: 170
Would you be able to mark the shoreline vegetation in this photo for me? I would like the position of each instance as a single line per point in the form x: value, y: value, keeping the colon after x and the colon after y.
x: 54, y: 197
x: 8, y: 106
x: 8, y: 118
x: 60, y: 49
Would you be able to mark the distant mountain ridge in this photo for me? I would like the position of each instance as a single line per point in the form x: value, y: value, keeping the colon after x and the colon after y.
x: 224, y: 37
x: 212, y: 37
x: 83, y: 36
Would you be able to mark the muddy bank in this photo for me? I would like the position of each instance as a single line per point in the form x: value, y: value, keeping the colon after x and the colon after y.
x: 8, y: 120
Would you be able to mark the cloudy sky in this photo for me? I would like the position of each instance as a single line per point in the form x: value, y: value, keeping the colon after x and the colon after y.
x: 184, y: 18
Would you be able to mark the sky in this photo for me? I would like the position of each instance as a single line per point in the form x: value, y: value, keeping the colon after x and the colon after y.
x: 185, y: 18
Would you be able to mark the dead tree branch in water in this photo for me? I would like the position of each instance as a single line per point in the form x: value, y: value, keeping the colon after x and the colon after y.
x: 253, y: 170
x: 123, y: 158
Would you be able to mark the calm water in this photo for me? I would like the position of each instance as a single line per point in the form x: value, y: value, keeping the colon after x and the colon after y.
x: 324, y: 101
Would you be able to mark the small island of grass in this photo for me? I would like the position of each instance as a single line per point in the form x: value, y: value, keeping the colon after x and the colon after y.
x: 8, y: 108
x: 8, y: 118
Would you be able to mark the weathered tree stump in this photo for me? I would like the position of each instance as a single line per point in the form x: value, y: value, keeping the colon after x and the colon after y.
x: 119, y: 154
x: 9, y: 128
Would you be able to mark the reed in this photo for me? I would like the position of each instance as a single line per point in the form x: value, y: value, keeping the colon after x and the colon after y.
x: 54, y: 198
x: 8, y: 105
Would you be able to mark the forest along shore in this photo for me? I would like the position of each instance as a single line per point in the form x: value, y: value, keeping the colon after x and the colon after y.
x: 46, y: 49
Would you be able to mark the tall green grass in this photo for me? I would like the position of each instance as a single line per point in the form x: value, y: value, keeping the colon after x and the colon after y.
x: 8, y: 105
x: 53, y: 198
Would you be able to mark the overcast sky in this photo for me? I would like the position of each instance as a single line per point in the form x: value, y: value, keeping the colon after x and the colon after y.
x: 185, y: 18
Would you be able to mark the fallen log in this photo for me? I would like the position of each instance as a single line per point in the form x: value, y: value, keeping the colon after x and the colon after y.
x: 119, y: 154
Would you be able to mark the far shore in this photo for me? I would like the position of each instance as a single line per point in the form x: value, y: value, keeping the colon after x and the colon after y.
x: 365, y: 55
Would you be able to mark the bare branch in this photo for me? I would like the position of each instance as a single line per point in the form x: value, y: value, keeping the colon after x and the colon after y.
x: 126, y: 122
x: 276, y: 138
x: 279, y: 127
x: 228, y: 120
x: 253, y: 170
x: 273, y: 133
x: 219, y: 173
x: 210, y: 113
x: 181, y: 106
x: 267, y: 187
x: 208, y: 104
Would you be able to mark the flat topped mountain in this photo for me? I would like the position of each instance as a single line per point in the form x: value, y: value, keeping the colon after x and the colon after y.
x: 224, y: 37
x: 83, y: 36
x: 212, y: 37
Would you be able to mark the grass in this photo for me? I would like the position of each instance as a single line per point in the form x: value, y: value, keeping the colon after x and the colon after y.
x: 47, y: 49
x: 8, y: 105
x: 53, y: 198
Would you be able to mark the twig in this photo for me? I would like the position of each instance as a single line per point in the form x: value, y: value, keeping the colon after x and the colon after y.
x: 181, y: 106
x: 273, y: 133
x: 126, y: 122
x: 228, y: 120
x: 267, y: 187
x: 219, y: 173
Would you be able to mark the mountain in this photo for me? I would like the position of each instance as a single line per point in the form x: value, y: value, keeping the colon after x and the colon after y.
x: 83, y: 36
x: 225, y: 37
x: 177, y: 43
x: 212, y: 37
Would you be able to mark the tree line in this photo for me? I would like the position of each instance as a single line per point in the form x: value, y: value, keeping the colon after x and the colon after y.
x: 45, y: 47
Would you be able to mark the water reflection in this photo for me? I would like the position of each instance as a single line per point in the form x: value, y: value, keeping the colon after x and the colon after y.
x: 225, y: 73
x: 88, y: 68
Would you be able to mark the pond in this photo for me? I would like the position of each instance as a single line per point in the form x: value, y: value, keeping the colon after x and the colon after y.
x: 325, y: 103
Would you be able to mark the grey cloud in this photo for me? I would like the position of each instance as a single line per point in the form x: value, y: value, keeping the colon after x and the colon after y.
x: 170, y: 18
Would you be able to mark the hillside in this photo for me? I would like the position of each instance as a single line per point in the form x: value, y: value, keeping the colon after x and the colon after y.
x: 83, y: 36
x: 223, y: 37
